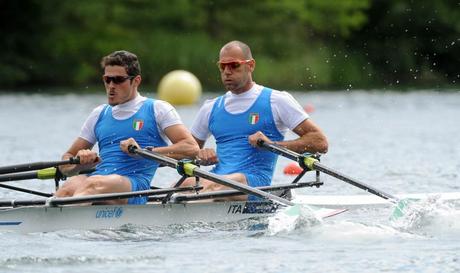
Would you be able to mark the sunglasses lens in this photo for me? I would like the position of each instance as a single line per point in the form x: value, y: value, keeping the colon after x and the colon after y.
x: 232, y: 65
x: 115, y: 79
x: 118, y: 79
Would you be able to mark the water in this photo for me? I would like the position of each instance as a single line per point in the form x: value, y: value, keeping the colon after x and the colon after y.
x: 399, y: 143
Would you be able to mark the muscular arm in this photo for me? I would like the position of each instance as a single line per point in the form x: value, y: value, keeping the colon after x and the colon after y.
x: 311, y: 139
x: 183, y: 144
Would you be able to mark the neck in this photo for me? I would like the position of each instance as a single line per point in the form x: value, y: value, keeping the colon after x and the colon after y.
x: 245, y: 88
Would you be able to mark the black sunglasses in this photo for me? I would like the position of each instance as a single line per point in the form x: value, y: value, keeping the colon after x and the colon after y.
x: 116, y: 79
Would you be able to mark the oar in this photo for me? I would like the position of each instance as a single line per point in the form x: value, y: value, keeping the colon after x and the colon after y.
x: 311, y: 163
x: 193, y: 170
x: 55, y: 201
x: 48, y: 173
x: 37, y: 165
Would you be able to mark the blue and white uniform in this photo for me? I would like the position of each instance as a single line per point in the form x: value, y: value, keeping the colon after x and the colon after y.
x: 107, y: 129
x: 231, y: 118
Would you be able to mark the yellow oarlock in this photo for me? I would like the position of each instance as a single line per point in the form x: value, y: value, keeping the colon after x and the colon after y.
x: 47, y: 173
x: 189, y: 169
x: 310, y: 162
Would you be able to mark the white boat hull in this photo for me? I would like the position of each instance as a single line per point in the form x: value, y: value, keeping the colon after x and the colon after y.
x: 358, y: 201
x: 43, y: 219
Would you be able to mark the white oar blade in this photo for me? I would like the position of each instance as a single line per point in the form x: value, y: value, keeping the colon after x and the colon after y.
x: 402, y: 208
x: 418, y: 214
x: 299, y: 217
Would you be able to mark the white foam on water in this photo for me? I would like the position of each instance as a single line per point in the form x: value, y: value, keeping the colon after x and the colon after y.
x: 350, y: 231
x: 294, y: 218
x: 430, y: 217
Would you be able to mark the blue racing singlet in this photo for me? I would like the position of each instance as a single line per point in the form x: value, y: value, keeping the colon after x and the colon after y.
x: 109, y: 132
x: 231, y: 132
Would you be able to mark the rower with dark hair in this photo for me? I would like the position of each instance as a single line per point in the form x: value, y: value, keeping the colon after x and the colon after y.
x: 126, y: 119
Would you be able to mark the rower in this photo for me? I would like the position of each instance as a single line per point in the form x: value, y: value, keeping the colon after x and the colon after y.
x: 127, y: 118
x: 246, y: 113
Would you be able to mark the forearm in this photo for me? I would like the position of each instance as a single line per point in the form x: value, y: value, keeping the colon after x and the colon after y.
x: 67, y: 155
x: 314, y: 142
x: 179, y: 150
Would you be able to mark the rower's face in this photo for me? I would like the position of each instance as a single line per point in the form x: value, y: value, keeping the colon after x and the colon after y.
x: 235, y: 70
x: 119, y: 87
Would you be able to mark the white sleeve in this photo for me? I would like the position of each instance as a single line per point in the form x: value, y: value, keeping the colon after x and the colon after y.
x: 87, y: 130
x: 165, y: 115
x: 287, y: 112
x: 200, y: 127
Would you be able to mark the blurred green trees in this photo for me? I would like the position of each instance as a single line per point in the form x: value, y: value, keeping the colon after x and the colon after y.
x: 298, y: 44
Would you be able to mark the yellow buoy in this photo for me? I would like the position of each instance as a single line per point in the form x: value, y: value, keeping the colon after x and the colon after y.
x: 179, y: 87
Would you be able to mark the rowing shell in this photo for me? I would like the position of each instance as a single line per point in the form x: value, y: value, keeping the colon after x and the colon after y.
x: 358, y: 201
x: 45, y: 218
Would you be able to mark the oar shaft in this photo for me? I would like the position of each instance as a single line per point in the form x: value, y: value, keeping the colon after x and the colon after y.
x: 18, y: 176
x: 193, y: 170
x: 279, y: 150
x: 39, y: 193
x: 312, y: 163
x: 239, y: 186
x: 113, y: 196
x: 233, y: 192
x: 37, y: 165
x: 48, y: 173
x: 320, y: 167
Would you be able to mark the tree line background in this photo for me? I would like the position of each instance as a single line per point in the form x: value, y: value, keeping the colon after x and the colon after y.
x: 298, y: 44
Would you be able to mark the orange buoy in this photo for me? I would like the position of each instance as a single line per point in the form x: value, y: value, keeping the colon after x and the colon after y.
x: 292, y: 168
x: 309, y: 108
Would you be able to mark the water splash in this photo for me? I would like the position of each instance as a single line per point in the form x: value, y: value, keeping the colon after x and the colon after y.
x: 431, y: 216
x: 295, y: 218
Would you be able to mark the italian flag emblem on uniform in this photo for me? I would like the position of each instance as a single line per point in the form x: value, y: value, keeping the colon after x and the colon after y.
x: 138, y: 124
x: 253, y: 118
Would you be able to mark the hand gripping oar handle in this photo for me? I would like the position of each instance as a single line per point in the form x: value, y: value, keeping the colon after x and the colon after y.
x: 37, y: 165
x: 190, y: 169
x: 313, y: 164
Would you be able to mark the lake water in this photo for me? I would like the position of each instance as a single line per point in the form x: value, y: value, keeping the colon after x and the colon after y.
x: 397, y: 142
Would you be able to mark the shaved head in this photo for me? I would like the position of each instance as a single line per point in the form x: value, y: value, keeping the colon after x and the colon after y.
x: 242, y: 46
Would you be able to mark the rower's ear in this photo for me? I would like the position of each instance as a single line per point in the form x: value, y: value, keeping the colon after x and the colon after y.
x: 137, y: 80
x: 252, y: 65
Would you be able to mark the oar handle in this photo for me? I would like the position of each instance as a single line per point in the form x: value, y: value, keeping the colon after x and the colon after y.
x: 167, y: 161
x: 277, y: 149
x: 37, y: 165
x: 305, y: 160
